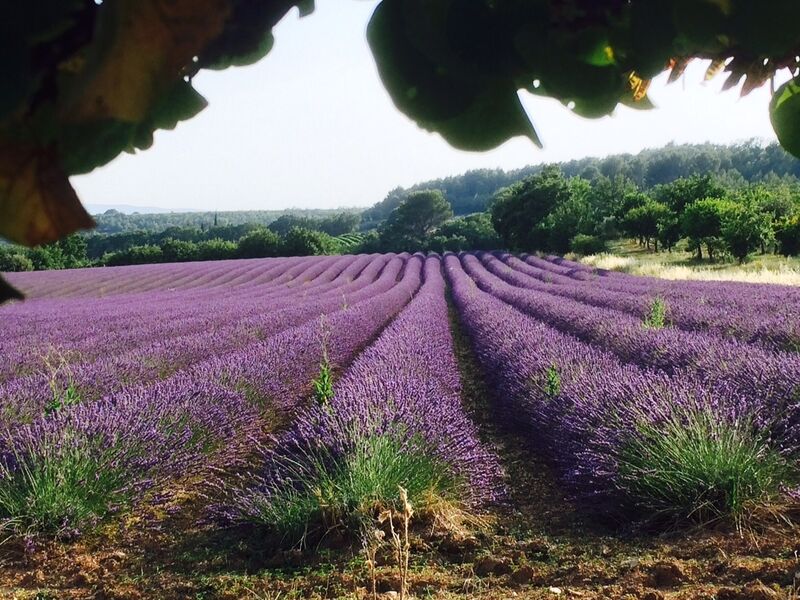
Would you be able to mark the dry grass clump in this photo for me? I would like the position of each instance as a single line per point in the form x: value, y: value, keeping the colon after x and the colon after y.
x: 781, y: 272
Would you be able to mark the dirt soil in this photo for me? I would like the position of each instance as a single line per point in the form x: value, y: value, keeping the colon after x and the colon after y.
x: 536, y: 546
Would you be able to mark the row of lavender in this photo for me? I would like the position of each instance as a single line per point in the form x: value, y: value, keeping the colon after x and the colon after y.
x: 136, y: 358
x: 396, y: 419
x: 729, y: 310
x: 126, y: 440
x: 570, y: 364
x: 75, y: 326
x: 623, y: 410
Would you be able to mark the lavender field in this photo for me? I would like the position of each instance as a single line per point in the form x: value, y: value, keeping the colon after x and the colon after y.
x: 298, y: 396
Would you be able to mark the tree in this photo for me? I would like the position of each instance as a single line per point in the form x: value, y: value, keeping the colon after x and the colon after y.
x: 178, y: 250
x: 679, y: 193
x: 567, y: 220
x: 259, y: 244
x: 476, y: 231
x: 669, y: 231
x: 340, y: 224
x: 216, y: 249
x: 787, y: 234
x: 73, y: 249
x: 307, y: 242
x: 415, y: 219
x: 519, y: 211
x: 47, y: 257
x: 702, y: 224
x: 643, y: 221
x: 744, y: 229
x: 284, y: 223
x: 136, y: 255
x: 606, y: 196
x: 587, y: 244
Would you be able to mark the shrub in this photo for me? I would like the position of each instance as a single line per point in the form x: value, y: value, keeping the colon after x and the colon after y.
x: 553, y: 382
x: 135, y: 255
x: 12, y: 262
x: 65, y: 472
x: 261, y: 243
x: 587, y: 244
x: 744, y: 229
x: 306, y: 242
x: 323, y: 384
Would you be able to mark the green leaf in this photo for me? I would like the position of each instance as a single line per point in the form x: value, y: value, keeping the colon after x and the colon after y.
x: 418, y: 86
x: 179, y: 103
x: 648, y: 41
x: 701, y: 26
x: 14, y: 64
x: 785, y: 115
x: 87, y: 145
x: 492, y: 119
x: 7, y: 292
x: 473, y: 105
x: 247, y: 37
x: 766, y: 30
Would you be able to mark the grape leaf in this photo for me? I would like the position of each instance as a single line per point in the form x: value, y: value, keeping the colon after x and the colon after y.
x: 141, y: 48
x: 785, y: 115
x: 8, y: 292
x: 36, y: 198
x: 433, y: 80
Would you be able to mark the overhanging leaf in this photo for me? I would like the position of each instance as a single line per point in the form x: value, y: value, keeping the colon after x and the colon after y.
x: 8, y: 292
x: 142, y: 47
x: 491, y: 120
x: 784, y: 112
x: 38, y: 203
x: 471, y: 100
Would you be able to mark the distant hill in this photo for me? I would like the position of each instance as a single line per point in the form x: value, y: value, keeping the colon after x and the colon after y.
x: 129, y: 209
x: 115, y: 221
x: 736, y: 164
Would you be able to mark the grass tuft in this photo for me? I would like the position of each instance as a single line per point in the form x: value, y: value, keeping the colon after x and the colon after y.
x: 61, y: 490
x: 699, y: 468
x: 351, y: 490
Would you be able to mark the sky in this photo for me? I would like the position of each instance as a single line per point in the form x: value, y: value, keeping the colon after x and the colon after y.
x: 311, y: 126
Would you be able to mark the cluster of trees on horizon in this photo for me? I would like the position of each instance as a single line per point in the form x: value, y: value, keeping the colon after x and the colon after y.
x: 724, y: 200
x: 288, y: 235
x: 731, y: 165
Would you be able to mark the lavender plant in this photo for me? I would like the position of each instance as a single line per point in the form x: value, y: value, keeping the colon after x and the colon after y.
x: 341, y: 462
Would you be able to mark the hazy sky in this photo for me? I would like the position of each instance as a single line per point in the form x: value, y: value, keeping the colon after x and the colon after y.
x: 310, y: 125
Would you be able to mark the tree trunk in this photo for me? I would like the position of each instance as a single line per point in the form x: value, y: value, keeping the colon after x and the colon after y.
x: 655, y: 242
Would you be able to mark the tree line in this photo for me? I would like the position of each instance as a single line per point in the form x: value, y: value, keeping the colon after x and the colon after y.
x: 733, y: 165
x: 555, y: 213
x: 287, y: 236
x: 579, y: 206
x: 114, y: 221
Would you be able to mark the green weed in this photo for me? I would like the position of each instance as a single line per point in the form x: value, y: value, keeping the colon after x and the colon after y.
x: 348, y: 491
x: 62, y: 489
x: 656, y: 317
x: 698, y: 467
